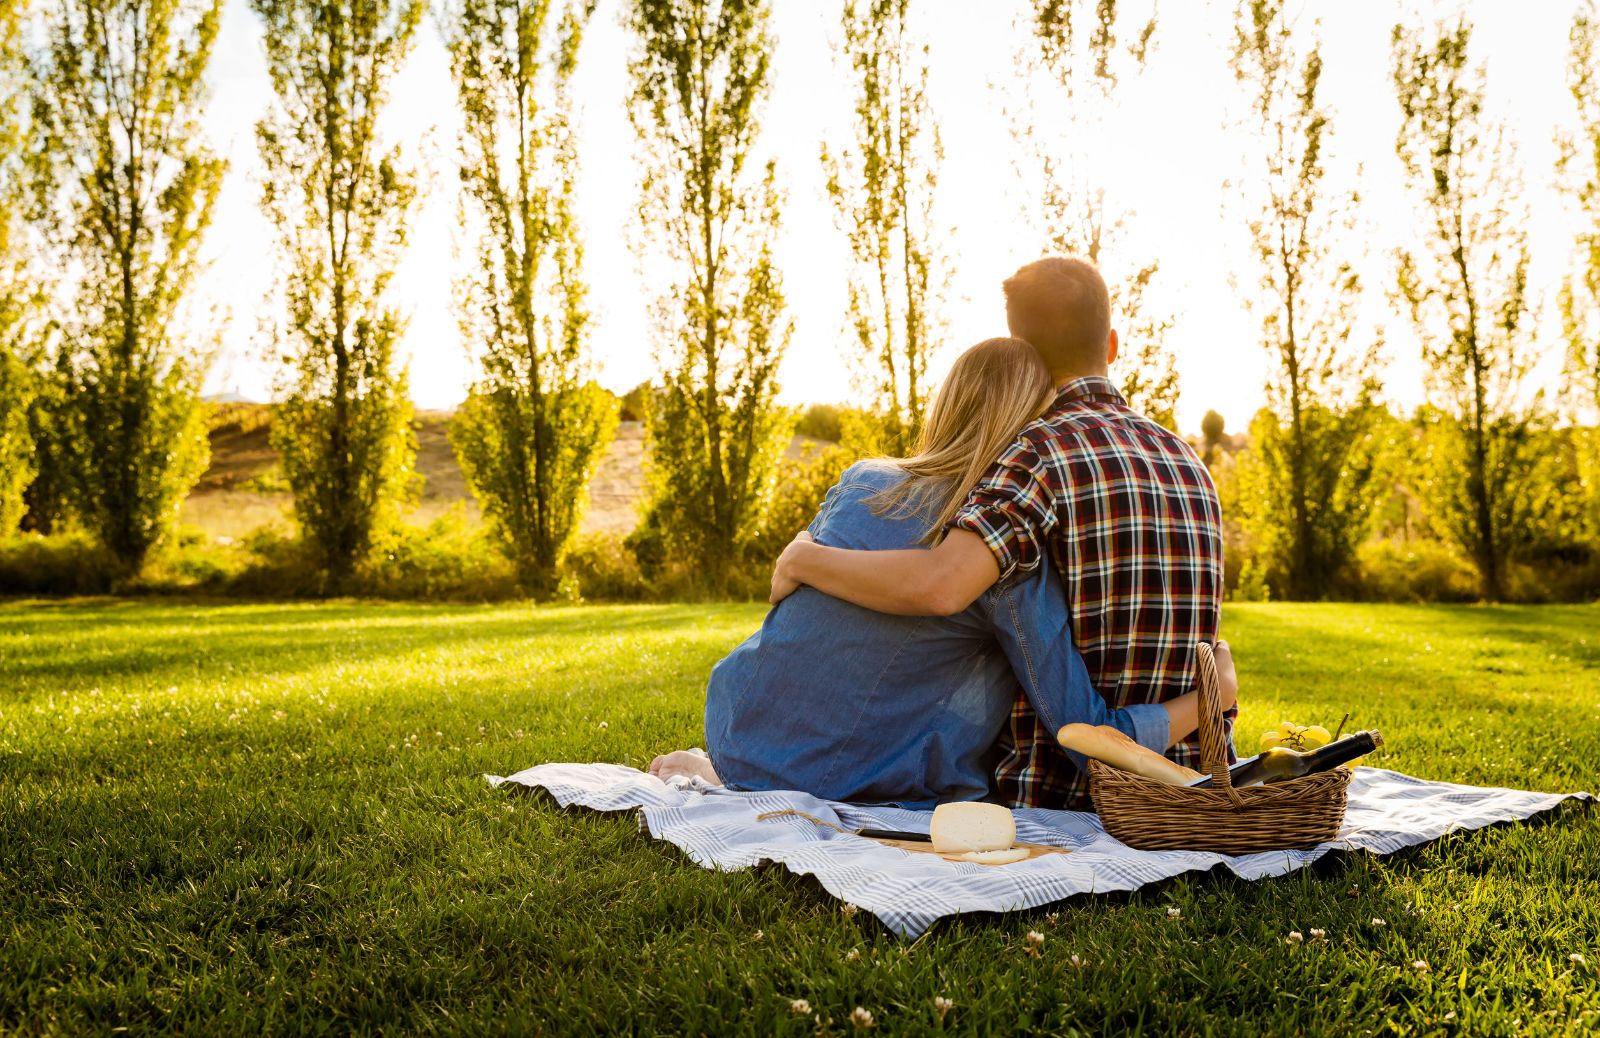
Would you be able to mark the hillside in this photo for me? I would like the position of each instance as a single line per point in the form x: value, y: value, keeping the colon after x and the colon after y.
x: 243, y: 489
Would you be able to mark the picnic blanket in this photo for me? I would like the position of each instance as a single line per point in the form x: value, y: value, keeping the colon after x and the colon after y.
x: 909, y: 892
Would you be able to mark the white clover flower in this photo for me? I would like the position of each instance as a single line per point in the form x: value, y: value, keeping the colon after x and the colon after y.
x: 1319, y: 935
x: 800, y: 1007
x: 1421, y: 966
x: 1378, y: 922
x: 942, y: 1006
x: 861, y: 1018
x: 1173, y: 913
x: 1075, y: 960
x: 1035, y: 938
x: 853, y: 955
x: 1295, y: 937
x: 1575, y: 958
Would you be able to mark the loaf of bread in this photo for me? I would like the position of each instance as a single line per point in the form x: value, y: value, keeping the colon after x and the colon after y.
x: 1109, y: 746
x: 962, y: 827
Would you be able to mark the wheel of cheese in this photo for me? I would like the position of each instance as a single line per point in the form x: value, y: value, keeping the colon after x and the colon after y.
x: 958, y: 828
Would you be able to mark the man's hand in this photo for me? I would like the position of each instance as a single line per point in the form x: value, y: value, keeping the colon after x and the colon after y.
x: 1227, y: 678
x: 783, y: 582
x: 905, y: 582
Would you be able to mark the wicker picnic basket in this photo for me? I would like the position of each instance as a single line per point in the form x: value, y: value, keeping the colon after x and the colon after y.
x: 1156, y: 816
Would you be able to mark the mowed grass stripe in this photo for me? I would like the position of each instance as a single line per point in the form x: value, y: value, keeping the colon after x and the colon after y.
x: 232, y: 818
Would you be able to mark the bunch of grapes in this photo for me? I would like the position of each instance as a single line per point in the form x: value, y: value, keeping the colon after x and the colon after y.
x: 1298, y: 737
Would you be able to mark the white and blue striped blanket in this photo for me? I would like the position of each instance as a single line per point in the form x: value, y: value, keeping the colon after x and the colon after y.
x: 909, y: 892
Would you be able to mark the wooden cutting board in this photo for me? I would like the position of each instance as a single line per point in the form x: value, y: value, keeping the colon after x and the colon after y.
x: 1035, y: 850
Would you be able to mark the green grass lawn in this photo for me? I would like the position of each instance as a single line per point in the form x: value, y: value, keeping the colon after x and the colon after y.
x: 247, y: 818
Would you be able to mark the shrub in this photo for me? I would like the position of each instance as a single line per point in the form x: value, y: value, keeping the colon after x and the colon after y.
x: 58, y: 564
x: 1419, y: 571
x: 604, y: 569
x: 449, y: 558
x: 822, y: 422
x: 803, y: 480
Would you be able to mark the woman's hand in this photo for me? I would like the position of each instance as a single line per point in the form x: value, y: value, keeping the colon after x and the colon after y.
x: 784, y: 582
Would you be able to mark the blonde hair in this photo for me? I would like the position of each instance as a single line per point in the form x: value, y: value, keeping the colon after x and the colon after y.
x: 993, y: 390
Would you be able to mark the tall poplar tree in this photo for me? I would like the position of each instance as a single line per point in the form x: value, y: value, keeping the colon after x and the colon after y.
x: 882, y: 187
x: 1466, y: 284
x: 17, y: 378
x: 1077, y: 53
x: 1580, y: 292
x: 128, y: 190
x: 1312, y: 450
x: 340, y: 201
x: 535, y: 424
x: 701, y: 76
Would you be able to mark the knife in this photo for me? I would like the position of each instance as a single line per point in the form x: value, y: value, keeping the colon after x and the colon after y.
x: 890, y: 834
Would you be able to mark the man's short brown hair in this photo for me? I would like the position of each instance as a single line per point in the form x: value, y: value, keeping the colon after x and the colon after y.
x: 1060, y: 305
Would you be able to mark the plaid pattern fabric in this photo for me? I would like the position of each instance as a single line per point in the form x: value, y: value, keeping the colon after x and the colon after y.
x: 1129, y: 516
x: 721, y: 829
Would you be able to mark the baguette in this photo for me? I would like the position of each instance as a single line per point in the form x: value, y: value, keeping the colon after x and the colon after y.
x: 1109, y: 746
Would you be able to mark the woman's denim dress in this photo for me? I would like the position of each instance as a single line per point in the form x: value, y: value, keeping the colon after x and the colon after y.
x: 849, y: 704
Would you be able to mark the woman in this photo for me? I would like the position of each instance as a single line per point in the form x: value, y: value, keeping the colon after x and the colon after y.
x: 848, y: 704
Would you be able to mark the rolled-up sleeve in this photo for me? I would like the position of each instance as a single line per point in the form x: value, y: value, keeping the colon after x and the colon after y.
x: 1012, y: 509
x: 1032, y: 625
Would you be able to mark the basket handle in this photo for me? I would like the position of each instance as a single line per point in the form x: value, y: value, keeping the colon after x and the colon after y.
x: 1213, y: 736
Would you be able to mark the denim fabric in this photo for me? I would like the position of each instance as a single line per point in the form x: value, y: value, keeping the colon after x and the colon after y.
x: 848, y: 704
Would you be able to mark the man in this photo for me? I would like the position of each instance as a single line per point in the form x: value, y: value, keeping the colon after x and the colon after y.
x: 1121, y: 507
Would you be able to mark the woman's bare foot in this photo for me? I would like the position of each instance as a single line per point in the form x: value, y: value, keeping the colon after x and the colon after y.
x: 1227, y: 678
x: 688, y: 763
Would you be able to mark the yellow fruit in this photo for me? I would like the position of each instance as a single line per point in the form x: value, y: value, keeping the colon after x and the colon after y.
x: 1315, y: 736
x: 1287, y: 727
x: 1271, y: 739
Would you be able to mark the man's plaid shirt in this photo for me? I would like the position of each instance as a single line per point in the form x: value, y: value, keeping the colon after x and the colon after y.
x: 1129, y: 516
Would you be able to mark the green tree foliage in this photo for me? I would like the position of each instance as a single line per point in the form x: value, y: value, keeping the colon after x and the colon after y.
x: 17, y: 381
x: 1580, y: 293
x: 340, y: 203
x: 701, y: 75
x: 804, y: 479
x: 1213, y: 427
x: 1077, y: 54
x: 127, y: 191
x: 534, y: 426
x: 1466, y: 287
x: 882, y: 188
x: 1312, y: 464
x: 47, y: 500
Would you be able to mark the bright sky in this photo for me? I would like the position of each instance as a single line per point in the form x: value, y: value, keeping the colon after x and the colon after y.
x: 1174, y: 148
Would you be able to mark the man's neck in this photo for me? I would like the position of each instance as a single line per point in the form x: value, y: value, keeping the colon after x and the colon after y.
x: 1063, y: 377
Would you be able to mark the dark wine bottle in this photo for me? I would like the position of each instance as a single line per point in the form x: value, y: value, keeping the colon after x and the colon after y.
x: 1281, y: 763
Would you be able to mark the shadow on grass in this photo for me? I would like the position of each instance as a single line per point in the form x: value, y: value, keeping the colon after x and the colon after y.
x: 284, y: 640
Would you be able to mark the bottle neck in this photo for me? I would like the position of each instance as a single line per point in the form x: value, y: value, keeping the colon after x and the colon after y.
x: 1342, y: 751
